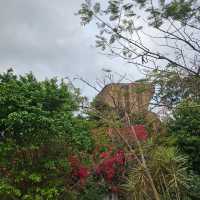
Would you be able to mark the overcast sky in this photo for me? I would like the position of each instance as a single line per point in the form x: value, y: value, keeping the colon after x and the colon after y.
x: 45, y: 37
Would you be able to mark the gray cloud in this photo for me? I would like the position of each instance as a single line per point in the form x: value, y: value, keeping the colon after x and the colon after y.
x: 45, y: 37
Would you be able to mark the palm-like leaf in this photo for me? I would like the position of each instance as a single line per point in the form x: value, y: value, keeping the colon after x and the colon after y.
x: 168, y: 170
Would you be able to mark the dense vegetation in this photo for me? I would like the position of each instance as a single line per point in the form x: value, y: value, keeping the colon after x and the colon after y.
x: 49, y: 150
x: 161, y: 39
x: 52, y: 148
x: 38, y: 130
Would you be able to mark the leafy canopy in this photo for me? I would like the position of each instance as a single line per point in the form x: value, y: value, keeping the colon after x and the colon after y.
x: 34, y: 112
x: 38, y: 131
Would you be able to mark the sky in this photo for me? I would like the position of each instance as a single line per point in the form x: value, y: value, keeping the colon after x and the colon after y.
x: 45, y: 37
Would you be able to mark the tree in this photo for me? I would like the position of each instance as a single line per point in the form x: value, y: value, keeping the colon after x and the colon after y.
x: 125, y: 25
x: 172, y: 88
x: 161, y: 38
x: 156, y: 36
x: 38, y: 131
x: 34, y: 112
x: 185, y: 126
x: 184, y: 129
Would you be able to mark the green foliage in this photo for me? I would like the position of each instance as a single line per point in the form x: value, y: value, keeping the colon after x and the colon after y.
x: 36, y: 172
x: 168, y: 170
x: 38, y: 131
x: 172, y: 87
x: 123, y: 12
x: 178, y: 10
x: 92, y: 191
x: 193, y: 188
x: 185, y: 126
x: 186, y: 118
x: 40, y: 194
x: 7, y: 191
x: 176, y: 23
x: 35, y: 112
x: 81, y: 138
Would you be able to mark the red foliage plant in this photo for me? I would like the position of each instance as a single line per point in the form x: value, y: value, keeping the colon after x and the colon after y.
x: 78, y: 170
x: 127, y: 132
x: 108, y: 164
x: 111, y: 165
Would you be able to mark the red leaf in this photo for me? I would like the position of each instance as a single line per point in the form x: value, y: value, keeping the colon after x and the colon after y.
x: 141, y: 132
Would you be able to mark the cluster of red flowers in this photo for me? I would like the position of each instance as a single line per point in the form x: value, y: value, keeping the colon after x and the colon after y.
x: 132, y: 132
x: 111, y: 165
x: 78, y: 170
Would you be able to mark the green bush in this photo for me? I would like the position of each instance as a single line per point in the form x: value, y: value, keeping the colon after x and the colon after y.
x: 38, y: 131
x: 185, y: 126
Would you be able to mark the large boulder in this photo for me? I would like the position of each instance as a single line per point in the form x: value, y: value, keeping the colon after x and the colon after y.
x: 127, y: 97
x: 132, y: 99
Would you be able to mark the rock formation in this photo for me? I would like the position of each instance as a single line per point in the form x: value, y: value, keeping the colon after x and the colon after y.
x: 129, y: 98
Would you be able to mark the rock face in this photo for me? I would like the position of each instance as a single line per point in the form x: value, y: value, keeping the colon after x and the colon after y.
x: 129, y: 97
x: 132, y: 99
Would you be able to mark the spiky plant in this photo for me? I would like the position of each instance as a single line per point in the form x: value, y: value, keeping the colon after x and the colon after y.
x: 169, y: 173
